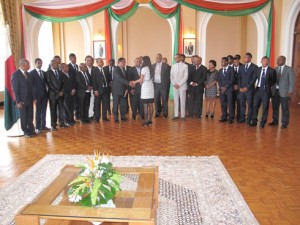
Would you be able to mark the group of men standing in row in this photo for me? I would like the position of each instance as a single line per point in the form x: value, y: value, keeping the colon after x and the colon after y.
x: 69, y: 88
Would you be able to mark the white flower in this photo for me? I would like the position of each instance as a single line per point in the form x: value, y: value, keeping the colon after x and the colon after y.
x: 75, y: 198
x: 104, y: 159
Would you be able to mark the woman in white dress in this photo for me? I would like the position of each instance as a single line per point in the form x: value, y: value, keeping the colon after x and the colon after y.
x: 147, y: 89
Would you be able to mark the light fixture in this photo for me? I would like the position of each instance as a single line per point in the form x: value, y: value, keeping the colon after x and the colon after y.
x: 190, y: 33
x: 99, y: 36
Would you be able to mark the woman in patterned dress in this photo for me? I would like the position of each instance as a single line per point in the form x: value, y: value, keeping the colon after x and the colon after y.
x: 211, y: 88
x: 147, y: 89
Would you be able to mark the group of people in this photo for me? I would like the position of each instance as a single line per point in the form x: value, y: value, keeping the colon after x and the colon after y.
x: 69, y: 89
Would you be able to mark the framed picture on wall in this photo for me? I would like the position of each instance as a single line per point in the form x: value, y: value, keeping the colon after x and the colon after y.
x: 189, y: 47
x: 99, y: 49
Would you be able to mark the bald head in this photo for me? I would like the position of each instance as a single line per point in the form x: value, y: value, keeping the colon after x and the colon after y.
x: 24, y: 64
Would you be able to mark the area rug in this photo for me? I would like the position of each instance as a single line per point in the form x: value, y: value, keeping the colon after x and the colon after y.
x: 192, y: 190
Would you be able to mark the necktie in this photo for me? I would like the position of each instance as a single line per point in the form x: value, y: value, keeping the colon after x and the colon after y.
x: 279, y: 71
x: 246, y: 67
x: 104, y: 78
x: 86, y: 78
x: 224, y: 72
x: 197, y: 67
x: 263, y: 79
x: 235, y: 70
x: 41, y: 74
x: 25, y: 75
x: 56, y: 74
x: 75, y: 68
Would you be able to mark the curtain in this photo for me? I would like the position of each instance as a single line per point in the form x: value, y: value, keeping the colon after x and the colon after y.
x: 11, y: 11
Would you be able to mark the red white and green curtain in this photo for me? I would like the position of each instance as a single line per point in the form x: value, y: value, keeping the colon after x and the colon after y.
x: 120, y: 10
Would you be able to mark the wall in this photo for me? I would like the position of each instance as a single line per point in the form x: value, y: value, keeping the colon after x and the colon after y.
x: 147, y: 34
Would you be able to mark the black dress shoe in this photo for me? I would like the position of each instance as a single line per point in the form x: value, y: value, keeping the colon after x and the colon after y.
x: 253, y: 124
x: 105, y: 119
x: 117, y: 121
x: 62, y: 126
x: 134, y: 117
x: 283, y: 127
x: 241, y: 121
x: 166, y: 116
x: 222, y: 120
x: 273, y: 123
x: 145, y: 124
x: 230, y: 121
x: 150, y: 123
x: 53, y: 129
x: 46, y: 128
x: 156, y: 115
x: 124, y: 119
x: 206, y: 115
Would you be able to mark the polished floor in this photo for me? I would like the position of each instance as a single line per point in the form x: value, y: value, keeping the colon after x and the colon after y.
x: 263, y: 163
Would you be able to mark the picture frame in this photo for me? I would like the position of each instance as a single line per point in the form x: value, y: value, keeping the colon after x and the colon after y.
x: 189, y: 47
x: 99, y: 49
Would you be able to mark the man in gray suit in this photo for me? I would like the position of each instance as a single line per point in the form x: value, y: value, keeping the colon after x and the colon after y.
x: 161, y: 86
x: 282, y: 91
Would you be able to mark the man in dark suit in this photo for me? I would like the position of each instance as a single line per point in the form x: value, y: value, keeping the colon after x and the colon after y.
x: 126, y: 70
x: 120, y: 89
x: 225, y: 81
x: 73, y: 69
x: 246, y: 82
x: 135, y: 92
x: 69, y: 93
x: 282, y: 92
x: 197, y: 77
x: 110, y: 67
x: 40, y: 95
x: 84, y: 88
x: 89, y: 62
x: 56, y: 95
x: 101, y: 90
x: 22, y: 88
x: 237, y: 66
x: 266, y: 77
x: 161, y: 86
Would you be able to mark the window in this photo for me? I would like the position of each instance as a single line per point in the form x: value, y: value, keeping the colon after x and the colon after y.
x: 46, y: 51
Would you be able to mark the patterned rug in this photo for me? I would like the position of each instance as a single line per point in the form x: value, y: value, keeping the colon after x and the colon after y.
x: 192, y: 190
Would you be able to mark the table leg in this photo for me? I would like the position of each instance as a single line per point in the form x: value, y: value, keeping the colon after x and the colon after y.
x: 27, y: 220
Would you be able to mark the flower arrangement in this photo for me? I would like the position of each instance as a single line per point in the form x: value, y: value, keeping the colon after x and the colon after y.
x: 97, y: 182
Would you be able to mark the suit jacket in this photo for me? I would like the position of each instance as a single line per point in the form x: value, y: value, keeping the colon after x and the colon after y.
x: 126, y: 69
x: 179, y: 75
x: 110, y: 75
x: 120, y: 83
x: 227, y: 80
x: 247, y: 78
x: 197, y: 76
x: 237, y: 75
x: 285, y: 81
x: 98, y: 80
x: 270, y: 78
x: 69, y: 83
x: 55, y: 84
x: 22, y: 87
x: 81, y: 84
x: 39, y: 85
x: 165, y: 75
x: 133, y: 75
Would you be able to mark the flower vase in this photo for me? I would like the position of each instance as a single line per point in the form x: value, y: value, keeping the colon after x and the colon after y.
x: 109, y: 204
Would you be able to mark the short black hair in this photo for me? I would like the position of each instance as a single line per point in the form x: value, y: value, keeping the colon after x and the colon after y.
x: 72, y: 55
x: 213, y: 62
x: 121, y: 59
x: 266, y: 57
x: 238, y: 56
x: 88, y: 56
x: 249, y: 54
x: 230, y: 57
x: 56, y: 57
x: 225, y: 58
x: 183, y: 56
x: 37, y: 59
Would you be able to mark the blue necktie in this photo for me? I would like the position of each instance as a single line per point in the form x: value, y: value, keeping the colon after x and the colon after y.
x: 263, y: 79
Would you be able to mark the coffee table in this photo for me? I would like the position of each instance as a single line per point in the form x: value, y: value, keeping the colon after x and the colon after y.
x: 132, y: 207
